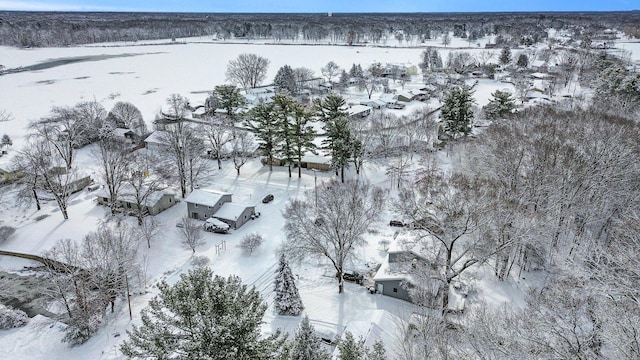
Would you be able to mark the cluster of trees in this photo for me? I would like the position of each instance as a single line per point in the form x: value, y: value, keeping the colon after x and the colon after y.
x: 28, y: 29
x: 88, y: 276
x: 208, y: 316
x: 531, y: 197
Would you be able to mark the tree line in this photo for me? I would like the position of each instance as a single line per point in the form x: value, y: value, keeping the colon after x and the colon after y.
x: 41, y: 29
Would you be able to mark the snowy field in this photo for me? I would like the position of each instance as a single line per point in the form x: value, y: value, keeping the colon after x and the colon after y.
x: 146, y: 76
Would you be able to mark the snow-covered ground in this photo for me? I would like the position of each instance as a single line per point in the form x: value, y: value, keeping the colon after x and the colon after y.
x: 146, y: 76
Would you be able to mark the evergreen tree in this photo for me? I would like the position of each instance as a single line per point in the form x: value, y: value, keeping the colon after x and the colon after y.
x: 523, y: 60
x: 339, y: 140
x: 306, y: 343
x: 296, y: 137
x: 229, y: 98
x: 505, y: 56
x: 202, y: 317
x: 285, y: 80
x: 378, y: 352
x: 456, y: 111
x: 343, y: 82
x: 6, y: 141
x: 351, y: 349
x: 262, y: 122
x: 287, y: 299
x: 501, y: 106
x: 430, y: 60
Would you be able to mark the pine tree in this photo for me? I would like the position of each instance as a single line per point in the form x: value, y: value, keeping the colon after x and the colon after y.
x: 229, y: 98
x: 501, y: 106
x: 351, y: 349
x: 285, y: 80
x: 505, y: 56
x: 202, y: 317
x: 287, y: 299
x: 339, y: 140
x: 523, y: 61
x: 456, y: 111
x: 262, y: 122
x: 306, y: 343
x: 378, y: 352
x: 6, y: 141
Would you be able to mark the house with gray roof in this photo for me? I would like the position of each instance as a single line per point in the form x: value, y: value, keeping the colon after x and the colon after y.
x: 203, y: 204
x: 153, y: 201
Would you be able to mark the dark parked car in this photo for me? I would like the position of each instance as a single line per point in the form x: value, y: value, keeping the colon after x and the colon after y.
x: 353, y: 276
x: 267, y: 199
x: 396, y: 223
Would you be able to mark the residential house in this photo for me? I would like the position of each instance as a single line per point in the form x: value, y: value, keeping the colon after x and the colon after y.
x: 373, y: 103
x: 128, y: 135
x: 316, y: 162
x: 154, y: 202
x: 156, y: 141
x: 405, y: 96
x: 7, y: 176
x: 202, y: 204
x: 359, y: 111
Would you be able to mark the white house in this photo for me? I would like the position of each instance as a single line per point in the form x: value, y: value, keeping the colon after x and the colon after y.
x: 156, y: 141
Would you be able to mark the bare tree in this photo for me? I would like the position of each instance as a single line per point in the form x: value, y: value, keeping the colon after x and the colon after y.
x: 184, y: 148
x: 218, y: 135
x: 445, y: 215
x: 385, y: 129
x: 335, y: 227
x: 150, y: 230
x: 242, y: 148
x: 63, y: 131
x: 247, y: 70
x: 128, y: 116
x: 87, y: 277
x: 251, y: 242
x: 191, y: 233
x: 5, y: 115
x: 48, y: 172
x: 177, y: 107
x: 115, y: 164
x: 330, y: 71
x: 302, y: 75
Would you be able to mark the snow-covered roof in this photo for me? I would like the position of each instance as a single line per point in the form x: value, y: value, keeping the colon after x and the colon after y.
x: 316, y: 159
x: 389, y: 98
x: 127, y: 193
x: 157, y: 137
x: 217, y: 223
x: 377, y: 325
x: 205, y: 197
x: 358, y: 109
x: 230, y: 211
x: 121, y: 132
x: 372, y: 102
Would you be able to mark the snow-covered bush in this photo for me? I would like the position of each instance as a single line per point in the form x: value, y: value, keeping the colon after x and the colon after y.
x: 12, y: 318
x: 6, y: 232
x: 200, y: 261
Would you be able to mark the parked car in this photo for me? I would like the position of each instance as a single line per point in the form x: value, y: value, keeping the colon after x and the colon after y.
x: 396, y: 223
x: 353, y: 276
x: 216, y: 226
x: 267, y: 199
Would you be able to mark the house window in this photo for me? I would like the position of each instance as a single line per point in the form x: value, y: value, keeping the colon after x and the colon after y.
x: 195, y: 205
x: 395, y: 290
x: 209, y: 207
x: 170, y: 199
x: 105, y: 199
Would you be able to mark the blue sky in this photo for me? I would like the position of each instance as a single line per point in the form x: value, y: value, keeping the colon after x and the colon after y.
x: 319, y: 5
